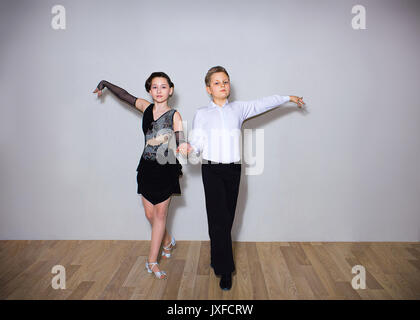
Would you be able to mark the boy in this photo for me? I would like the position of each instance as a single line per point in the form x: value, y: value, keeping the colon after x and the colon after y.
x: 216, y: 133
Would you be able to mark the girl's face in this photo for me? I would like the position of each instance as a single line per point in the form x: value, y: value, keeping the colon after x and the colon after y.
x: 160, y: 90
x: 219, y: 85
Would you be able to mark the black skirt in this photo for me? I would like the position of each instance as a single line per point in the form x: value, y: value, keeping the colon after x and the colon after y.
x: 157, y: 182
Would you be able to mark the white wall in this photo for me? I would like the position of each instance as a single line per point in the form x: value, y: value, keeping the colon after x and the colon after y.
x: 348, y: 170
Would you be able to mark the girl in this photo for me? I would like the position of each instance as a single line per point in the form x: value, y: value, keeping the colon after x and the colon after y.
x: 158, y: 170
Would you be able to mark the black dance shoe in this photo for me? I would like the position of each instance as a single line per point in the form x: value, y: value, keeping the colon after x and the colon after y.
x: 226, y: 281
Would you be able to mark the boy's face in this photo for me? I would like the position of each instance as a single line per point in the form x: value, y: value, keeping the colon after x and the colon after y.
x: 219, y: 85
x: 160, y: 90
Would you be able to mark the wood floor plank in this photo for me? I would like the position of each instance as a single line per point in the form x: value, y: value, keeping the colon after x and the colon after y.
x: 375, y: 294
x: 22, y: 284
x: 297, y: 261
x: 242, y: 283
x: 278, y: 279
x: 136, y: 272
x: 115, y: 289
x: 299, y: 253
x: 158, y: 288
x: 365, y: 258
x: 345, y: 289
x: 140, y: 279
x: 214, y: 292
x: 174, y: 281
x: 188, y: 277
x: 413, y: 281
x: 304, y: 290
x: 393, y: 288
x: 20, y: 262
x: 385, y: 259
x: 80, y: 292
x: 329, y: 263
x: 201, y: 288
x: 204, y: 262
x: 315, y: 284
x: 291, y: 261
x: 405, y: 286
x: 104, y: 269
x: 181, y: 249
x: 321, y: 270
x: 259, y: 288
x: 88, y: 256
x: 414, y: 252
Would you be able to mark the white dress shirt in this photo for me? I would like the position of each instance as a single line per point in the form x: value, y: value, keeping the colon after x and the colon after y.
x: 216, y: 131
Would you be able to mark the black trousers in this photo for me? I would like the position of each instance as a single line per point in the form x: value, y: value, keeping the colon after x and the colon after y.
x: 221, y: 188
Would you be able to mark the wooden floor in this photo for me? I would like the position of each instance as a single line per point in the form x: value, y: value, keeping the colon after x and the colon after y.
x: 115, y: 269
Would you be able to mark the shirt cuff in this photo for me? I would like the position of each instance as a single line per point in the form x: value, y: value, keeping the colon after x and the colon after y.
x: 196, y: 148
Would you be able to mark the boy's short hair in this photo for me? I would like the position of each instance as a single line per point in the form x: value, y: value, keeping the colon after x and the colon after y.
x: 214, y: 70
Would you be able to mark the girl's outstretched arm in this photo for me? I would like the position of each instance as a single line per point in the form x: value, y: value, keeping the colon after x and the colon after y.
x: 122, y: 94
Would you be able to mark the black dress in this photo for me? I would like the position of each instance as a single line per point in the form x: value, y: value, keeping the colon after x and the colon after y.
x: 158, y: 170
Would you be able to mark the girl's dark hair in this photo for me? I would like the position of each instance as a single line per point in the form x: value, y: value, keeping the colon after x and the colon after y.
x: 214, y: 70
x: 148, y: 83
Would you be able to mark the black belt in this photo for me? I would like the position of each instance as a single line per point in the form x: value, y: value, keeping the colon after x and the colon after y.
x: 214, y: 162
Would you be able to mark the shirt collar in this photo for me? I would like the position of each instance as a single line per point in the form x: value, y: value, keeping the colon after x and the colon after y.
x: 212, y: 104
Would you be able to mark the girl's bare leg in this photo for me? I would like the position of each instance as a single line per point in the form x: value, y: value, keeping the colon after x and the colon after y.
x: 156, y: 214
x: 148, y: 209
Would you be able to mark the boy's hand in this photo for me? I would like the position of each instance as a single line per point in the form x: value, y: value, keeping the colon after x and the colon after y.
x: 297, y: 100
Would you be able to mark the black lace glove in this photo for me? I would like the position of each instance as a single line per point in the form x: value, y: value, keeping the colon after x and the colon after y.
x: 179, y: 137
x: 119, y: 92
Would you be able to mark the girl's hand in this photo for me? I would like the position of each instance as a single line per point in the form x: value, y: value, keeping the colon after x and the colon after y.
x: 297, y: 100
x: 190, y: 149
x: 98, y: 91
x: 184, y: 148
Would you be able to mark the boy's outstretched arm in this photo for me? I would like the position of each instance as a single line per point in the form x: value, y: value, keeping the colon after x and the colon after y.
x: 256, y: 107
